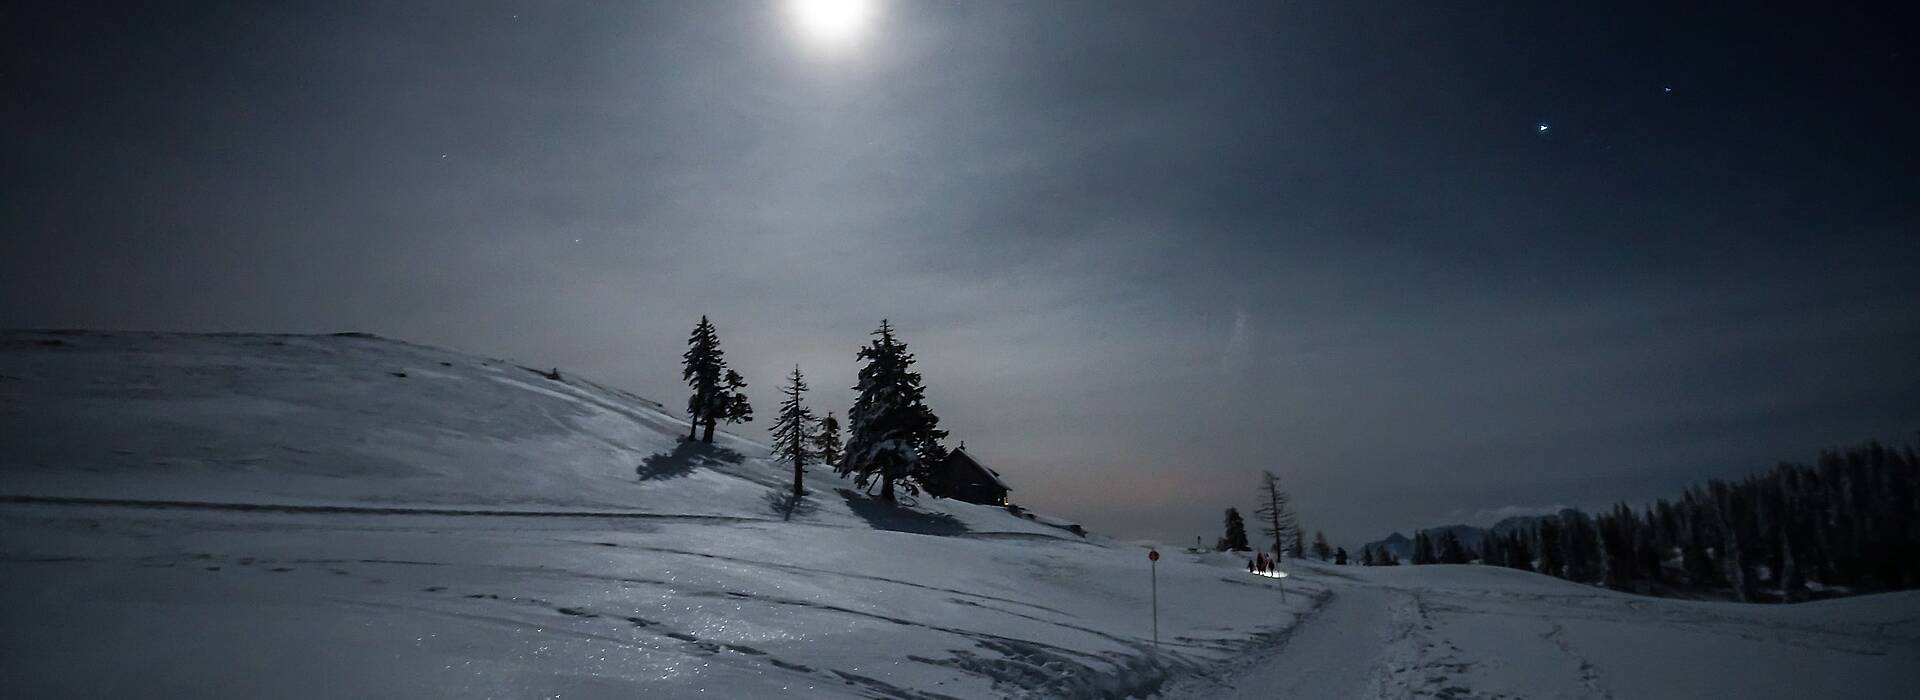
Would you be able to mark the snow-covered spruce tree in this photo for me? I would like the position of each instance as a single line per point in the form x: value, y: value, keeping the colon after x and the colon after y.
x: 826, y: 440
x: 1235, y: 539
x: 892, y: 435
x: 1298, y: 549
x: 1492, y: 550
x: 1582, y: 549
x: 1517, y: 554
x: 1730, y: 511
x: 1276, y: 516
x: 1340, y: 556
x: 1652, y: 546
x: 702, y: 368
x: 1422, y: 549
x: 793, y: 436
x: 1321, y: 550
x: 1366, y: 555
x: 1695, y: 558
x: 1619, y: 531
x: 732, y: 406
x: 1553, y: 560
x: 1451, y: 551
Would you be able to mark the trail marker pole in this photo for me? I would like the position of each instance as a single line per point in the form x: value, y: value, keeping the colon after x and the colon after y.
x: 1153, y: 563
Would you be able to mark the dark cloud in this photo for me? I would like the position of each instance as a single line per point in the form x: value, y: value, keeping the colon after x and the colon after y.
x: 1143, y: 250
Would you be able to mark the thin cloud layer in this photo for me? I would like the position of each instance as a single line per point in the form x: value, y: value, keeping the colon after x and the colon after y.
x: 1143, y: 252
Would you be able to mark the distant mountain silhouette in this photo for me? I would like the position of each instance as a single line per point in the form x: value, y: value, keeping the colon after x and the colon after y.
x: 1402, y: 545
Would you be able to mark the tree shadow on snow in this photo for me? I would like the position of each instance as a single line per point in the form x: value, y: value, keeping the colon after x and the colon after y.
x: 681, y: 461
x: 783, y: 503
x: 886, y: 516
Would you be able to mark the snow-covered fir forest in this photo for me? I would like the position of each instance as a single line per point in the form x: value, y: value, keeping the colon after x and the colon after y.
x: 1847, y: 524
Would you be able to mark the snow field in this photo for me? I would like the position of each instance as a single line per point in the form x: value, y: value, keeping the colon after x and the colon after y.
x: 323, y: 516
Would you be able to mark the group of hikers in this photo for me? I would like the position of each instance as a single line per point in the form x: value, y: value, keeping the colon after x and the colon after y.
x: 1261, y: 563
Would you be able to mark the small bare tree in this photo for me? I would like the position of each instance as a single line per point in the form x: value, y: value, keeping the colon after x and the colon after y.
x: 1276, y: 516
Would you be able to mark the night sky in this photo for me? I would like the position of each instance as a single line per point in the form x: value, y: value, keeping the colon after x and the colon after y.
x: 1143, y: 250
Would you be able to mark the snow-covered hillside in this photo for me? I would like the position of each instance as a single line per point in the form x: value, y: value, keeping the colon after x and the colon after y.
x: 331, y: 516
x: 342, y: 515
x: 350, y: 420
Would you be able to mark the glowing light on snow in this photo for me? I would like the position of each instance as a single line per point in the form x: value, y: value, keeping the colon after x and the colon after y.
x: 832, y: 23
x: 1269, y: 574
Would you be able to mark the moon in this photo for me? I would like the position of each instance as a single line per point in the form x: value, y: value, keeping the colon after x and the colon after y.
x: 831, y: 23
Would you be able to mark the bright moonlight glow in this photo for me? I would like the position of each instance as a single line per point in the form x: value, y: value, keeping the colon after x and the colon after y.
x: 832, y: 22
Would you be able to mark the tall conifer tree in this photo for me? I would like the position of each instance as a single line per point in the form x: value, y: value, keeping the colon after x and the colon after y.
x: 793, y: 438
x: 702, y: 368
x: 1321, y: 550
x: 1423, y: 549
x: 731, y: 406
x: 1451, y: 551
x: 826, y: 440
x: 893, y: 436
x: 1553, y: 561
x: 1235, y: 539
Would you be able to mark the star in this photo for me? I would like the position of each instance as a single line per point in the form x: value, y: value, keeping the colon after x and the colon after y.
x: 1542, y: 128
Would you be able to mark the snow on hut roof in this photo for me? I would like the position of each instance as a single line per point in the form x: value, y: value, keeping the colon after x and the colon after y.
x: 961, y: 453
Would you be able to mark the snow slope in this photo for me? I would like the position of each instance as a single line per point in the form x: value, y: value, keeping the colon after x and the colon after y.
x: 286, y: 516
x: 331, y: 516
x: 361, y: 421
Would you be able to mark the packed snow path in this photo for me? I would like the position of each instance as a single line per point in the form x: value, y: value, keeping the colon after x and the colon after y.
x: 1486, y: 632
x: 1334, y: 653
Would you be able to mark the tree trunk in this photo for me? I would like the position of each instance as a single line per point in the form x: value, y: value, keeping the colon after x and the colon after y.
x: 708, y: 436
x: 1736, y: 561
x: 886, y: 486
x: 1790, y: 579
x: 799, y: 448
x: 693, y: 426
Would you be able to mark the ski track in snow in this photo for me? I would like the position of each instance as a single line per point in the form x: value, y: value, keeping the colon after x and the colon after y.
x: 1334, y: 653
x: 1476, y: 632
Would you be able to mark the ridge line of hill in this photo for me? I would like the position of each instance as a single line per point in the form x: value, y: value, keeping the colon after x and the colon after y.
x: 357, y: 509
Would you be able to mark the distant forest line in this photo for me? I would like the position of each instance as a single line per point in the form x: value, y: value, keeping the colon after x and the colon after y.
x: 1849, y: 523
